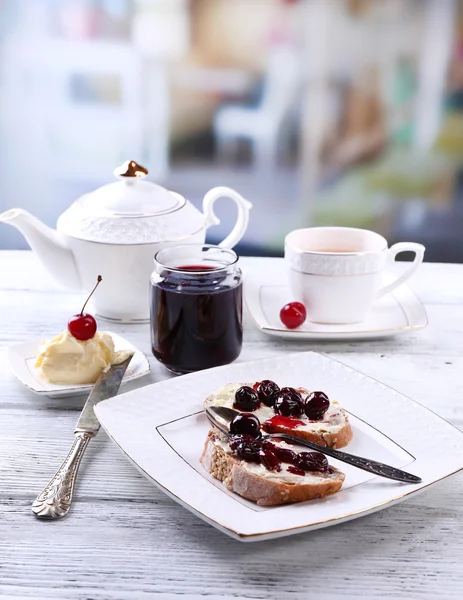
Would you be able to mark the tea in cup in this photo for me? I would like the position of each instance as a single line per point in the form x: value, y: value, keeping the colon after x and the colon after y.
x: 337, y: 272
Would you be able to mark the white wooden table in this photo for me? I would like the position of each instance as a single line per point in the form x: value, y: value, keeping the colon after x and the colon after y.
x: 126, y: 539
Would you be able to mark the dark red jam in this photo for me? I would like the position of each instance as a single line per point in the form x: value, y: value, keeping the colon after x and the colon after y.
x: 196, y: 318
x: 281, y: 421
x: 296, y: 471
x: 287, y: 404
x: 271, y: 456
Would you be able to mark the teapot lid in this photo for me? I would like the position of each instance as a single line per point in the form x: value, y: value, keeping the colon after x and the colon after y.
x: 131, y: 211
x: 130, y: 197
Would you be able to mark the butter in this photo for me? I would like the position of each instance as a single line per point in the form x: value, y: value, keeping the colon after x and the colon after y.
x: 66, y: 360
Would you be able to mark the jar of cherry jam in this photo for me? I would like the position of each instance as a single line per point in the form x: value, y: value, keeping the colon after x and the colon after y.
x: 196, y: 303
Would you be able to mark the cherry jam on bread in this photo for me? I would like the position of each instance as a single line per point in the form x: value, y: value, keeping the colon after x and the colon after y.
x: 245, y: 443
x: 291, y: 410
x: 286, y: 402
x: 271, y: 456
x: 281, y: 421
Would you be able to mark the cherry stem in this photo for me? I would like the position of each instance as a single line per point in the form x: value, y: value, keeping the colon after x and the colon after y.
x: 99, y: 278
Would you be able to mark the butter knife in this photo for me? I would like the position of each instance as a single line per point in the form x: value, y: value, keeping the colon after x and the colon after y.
x: 54, y: 502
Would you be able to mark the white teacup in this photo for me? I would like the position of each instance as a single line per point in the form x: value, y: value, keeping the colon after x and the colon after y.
x: 337, y: 272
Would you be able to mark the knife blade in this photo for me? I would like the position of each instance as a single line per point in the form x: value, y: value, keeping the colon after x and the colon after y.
x: 107, y: 386
x: 55, y: 500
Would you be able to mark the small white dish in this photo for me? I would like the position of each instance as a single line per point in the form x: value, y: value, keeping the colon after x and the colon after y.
x: 267, y: 290
x: 162, y: 428
x: 22, y: 358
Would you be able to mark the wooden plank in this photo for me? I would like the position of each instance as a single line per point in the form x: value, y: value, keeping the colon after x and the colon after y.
x: 434, y: 381
x: 126, y: 539
x: 44, y: 315
x: 433, y: 282
x: 407, y: 551
x: 33, y: 446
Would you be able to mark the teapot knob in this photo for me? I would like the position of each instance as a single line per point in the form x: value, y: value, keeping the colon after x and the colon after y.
x: 130, y: 169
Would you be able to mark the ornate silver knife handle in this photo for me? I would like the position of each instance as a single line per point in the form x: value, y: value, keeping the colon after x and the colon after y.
x: 54, y: 502
x: 372, y: 466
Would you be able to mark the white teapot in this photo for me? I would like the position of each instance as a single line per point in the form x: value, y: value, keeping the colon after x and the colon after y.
x: 115, y: 231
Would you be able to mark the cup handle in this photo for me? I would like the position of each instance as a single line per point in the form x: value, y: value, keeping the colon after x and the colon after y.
x: 244, y: 207
x: 393, y: 251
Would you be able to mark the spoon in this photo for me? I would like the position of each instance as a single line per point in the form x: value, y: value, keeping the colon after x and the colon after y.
x: 221, y: 417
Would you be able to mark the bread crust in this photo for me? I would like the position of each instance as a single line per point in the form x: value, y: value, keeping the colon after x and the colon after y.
x: 332, y: 440
x: 264, y: 492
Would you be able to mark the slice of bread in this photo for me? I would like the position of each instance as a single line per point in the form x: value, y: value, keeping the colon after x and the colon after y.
x: 333, y: 430
x: 256, y: 483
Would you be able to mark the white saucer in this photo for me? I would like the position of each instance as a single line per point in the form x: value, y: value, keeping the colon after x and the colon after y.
x: 266, y: 291
x: 22, y: 358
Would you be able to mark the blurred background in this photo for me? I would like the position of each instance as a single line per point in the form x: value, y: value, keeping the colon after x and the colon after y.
x: 340, y: 112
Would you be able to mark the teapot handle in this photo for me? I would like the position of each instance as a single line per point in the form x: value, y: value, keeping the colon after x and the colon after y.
x: 243, y: 205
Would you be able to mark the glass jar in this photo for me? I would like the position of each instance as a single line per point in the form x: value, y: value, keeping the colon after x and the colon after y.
x: 196, y: 304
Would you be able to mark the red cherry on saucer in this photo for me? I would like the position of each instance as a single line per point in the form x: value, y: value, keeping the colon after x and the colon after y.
x: 83, y: 325
x: 292, y: 315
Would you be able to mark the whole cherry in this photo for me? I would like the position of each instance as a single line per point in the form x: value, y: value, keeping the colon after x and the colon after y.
x: 246, y: 398
x: 292, y: 315
x: 291, y: 392
x: 288, y: 403
x: 312, y: 461
x: 246, y: 447
x: 267, y: 392
x: 316, y: 405
x: 83, y: 325
x: 245, y: 424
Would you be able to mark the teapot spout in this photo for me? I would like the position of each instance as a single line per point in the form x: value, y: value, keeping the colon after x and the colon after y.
x: 49, y: 245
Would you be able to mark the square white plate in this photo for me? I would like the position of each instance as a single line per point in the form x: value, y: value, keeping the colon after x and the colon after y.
x: 161, y: 429
x: 266, y: 291
x: 22, y: 359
